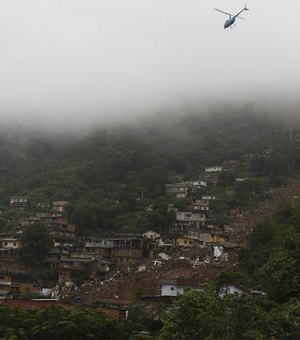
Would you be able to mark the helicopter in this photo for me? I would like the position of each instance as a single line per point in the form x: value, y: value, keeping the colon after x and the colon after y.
x: 231, y: 20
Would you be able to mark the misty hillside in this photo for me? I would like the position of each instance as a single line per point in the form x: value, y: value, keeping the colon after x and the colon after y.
x: 122, y: 163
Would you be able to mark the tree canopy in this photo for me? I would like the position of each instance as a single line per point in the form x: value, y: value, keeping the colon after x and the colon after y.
x: 36, y: 243
x: 58, y: 323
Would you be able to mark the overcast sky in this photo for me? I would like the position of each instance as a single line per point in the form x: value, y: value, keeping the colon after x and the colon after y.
x: 84, y: 61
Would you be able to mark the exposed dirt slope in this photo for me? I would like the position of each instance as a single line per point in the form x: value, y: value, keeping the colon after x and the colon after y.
x: 264, y: 210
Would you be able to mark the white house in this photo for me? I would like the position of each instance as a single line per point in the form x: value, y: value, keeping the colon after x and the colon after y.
x: 199, y: 184
x: 214, y: 169
x: 10, y: 243
x: 209, y: 197
x: 173, y: 287
x: 19, y: 202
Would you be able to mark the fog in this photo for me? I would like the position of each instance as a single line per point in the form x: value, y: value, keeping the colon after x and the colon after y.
x: 79, y: 63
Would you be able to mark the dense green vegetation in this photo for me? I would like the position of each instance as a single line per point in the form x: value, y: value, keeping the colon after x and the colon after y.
x: 204, y: 316
x: 111, y: 175
x: 272, y: 258
x: 36, y: 243
x: 271, y: 264
x: 58, y: 323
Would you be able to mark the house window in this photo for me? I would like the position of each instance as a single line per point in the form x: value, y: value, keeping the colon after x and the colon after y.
x: 15, y: 244
x: 172, y: 288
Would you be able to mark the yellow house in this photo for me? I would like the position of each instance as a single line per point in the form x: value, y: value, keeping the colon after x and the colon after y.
x: 14, y: 287
x: 185, y: 242
x: 5, y: 282
x: 25, y: 287
x: 150, y: 234
x: 215, y: 238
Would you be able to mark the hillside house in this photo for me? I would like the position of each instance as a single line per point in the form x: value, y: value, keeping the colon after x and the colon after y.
x: 197, y: 185
x: 197, y: 239
x: 19, y: 202
x: 73, y: 266
x: 69, y: 266
x: 178, y: 190
x: 10, y: 243
x: 8, y: 286
x: 43, y: 217
x: 121, y: 248
x: 181, y: 190
x: 200, y: 236
x: 127, y: 249
x: 173, y: 287
x: 209, y: 197
x: 185, y: 242
x: 186, y: 221
x: 166, y: 242
x: 151, y: 241
x: 216, y: 238
x: 98, y: 248
x: 9, y: 246
x: 150, y: 234
x: 59, y: 206
x: 63, y: 235
x: 211, y: 178
x: 214, y: 169
x: 199, y: 205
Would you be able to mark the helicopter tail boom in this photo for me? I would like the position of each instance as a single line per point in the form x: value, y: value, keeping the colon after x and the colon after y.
x: 244, y: 9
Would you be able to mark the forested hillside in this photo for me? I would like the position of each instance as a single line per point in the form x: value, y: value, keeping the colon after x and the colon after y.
x: 114, y: 179
x: 111, y: 169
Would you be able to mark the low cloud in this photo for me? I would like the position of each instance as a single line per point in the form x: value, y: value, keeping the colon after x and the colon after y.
x: 79, y: 63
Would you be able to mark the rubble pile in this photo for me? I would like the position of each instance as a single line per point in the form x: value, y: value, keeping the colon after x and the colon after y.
x: 143, y: 277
